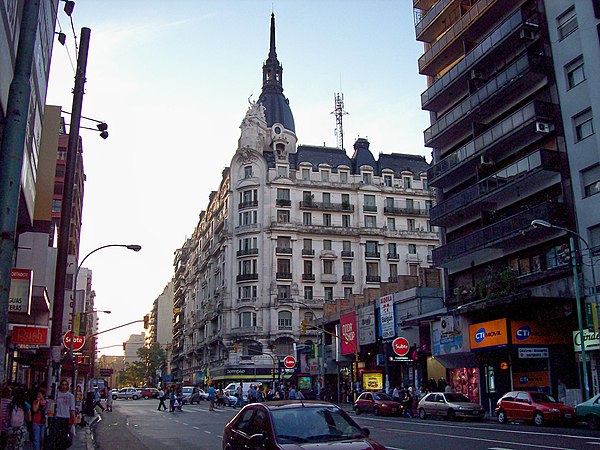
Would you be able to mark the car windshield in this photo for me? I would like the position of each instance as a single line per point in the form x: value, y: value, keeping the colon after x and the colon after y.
x: 540, y: 397
x: 382, y: 397
x: 457, y: 398
x: 187, y: 390
x: 313, y: 424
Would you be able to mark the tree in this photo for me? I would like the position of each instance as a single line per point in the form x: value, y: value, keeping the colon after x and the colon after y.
x: 134, y: 374
x: 152, y: 358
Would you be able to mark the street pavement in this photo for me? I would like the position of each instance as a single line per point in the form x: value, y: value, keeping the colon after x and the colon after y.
x: 136, y: 424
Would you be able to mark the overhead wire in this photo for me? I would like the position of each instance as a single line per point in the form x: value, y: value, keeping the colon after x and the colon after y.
x: 66, y: 47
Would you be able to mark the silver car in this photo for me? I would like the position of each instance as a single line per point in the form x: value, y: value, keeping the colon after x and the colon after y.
x: 450, y: 405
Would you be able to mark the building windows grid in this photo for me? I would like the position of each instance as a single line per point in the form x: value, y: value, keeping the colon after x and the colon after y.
x: 583, y: 123
x: 566, y: 23
x: 575, y: 72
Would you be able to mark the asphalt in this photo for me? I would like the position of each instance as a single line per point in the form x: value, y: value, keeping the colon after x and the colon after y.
x: 112, y: 431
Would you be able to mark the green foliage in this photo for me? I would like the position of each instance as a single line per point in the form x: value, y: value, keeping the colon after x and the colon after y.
x: 152, y: 358
x: 133, y: 375
x: 493, y: 285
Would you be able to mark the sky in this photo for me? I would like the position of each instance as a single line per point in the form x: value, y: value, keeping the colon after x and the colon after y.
x: 172, y: 80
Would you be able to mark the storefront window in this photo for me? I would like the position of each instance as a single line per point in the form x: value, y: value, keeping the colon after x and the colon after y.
x: 466, y: 382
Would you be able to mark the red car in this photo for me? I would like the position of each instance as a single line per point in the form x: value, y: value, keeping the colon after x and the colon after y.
x: 532, y: 406
x: 287, y: 424
x: 377, y: 403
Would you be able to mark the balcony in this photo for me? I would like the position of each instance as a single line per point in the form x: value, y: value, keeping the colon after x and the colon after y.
x: 308, y: 277
x: 283, y: 202
x: 248, y: 204
x: 328, y: 254
x: 511, y: 134
x: 508, y: 35
x: 347, y: 278
x: 525, y: 177
x: 247, y: 331
x: 432, y: 22
x: 372, y: 255
x: 373, y: 279
x: 308, y: 252
x: 283, y: 275
x: 326, y: 206
x: 423, y: 4
x: 247, y: 252
x: 469, y: 27
x: 330, y: 278
x: 496, y: 240
x: 347, y: 254
x: 247, y: 300
x: 393, y: 256
x: 393, y: 279
x: 369, y: 208
x: 404, y: 211
x: 247, y: 277
x: 510, y: 84
x: 283, y: 250
x: 249, y: 228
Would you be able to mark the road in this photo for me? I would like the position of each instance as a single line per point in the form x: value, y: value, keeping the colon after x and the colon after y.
x: 137, y: 425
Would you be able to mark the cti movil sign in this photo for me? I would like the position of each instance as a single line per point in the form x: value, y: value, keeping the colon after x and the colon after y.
x: 488, y: 334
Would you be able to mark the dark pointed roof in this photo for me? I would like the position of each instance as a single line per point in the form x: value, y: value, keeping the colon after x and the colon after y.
x: 277, y: 107
x: 363, y: 156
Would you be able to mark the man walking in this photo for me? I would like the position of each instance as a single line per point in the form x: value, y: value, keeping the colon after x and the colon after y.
x: 64, y: 417
x: 161, y: 398
x: 212, y: 393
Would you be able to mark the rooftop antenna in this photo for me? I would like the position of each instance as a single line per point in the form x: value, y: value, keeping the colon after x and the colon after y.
x: 339, y: 114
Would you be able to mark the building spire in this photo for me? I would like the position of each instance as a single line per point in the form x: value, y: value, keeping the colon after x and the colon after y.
x: 272, y: 70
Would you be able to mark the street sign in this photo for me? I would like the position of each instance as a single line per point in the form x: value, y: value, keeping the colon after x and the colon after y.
x: 289, y: 362
x: 106, y: 372
x: 401, y: 346
x: 78, y: 342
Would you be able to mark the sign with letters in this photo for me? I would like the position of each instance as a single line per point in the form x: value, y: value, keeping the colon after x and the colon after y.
x: 349, y: 341
x: 19, y: 297
x: 488, y: 334
x: 534, y: 353
x: 532, y: 333
x: 386, y: 317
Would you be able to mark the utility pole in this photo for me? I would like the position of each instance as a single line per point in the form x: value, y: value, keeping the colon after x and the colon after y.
x: 67, y: 203
x: 11, y: 160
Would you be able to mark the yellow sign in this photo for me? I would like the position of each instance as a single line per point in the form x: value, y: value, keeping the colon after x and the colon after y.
x: 488, y: 334
x: 522, y: 380
x: 372, y: 381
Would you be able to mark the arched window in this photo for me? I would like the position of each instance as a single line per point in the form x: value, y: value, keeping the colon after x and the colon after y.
x: 284, y: 320
x: 284, y: 346
x: 247, y: 319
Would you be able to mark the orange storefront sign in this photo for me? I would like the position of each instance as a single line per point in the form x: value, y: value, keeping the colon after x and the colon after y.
x: 488, y: 334
x: 532, y: 333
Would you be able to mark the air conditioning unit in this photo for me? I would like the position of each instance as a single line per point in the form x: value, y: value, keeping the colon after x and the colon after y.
x: 476, y: 75
x: 447, y: 324
x: 527, y: 34
x: 543, y: 127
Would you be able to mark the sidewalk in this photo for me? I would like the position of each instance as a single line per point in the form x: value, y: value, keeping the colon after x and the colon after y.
x: 83, y: 440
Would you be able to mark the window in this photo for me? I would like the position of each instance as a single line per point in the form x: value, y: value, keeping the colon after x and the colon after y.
x: 410, y: 224
x: 407, y: 181
x: 428, y: 205
x: 343, y: 177
x: 392, y: 249
x: 347, y: 292
x: 429, y: 226
x: 284, y: 242
x: 346, y: 221
x: 430, y: 249
x: 369, y: 201
x: 391, y: 223
x: 328, y: 291
x: 347, y: 268
x: 282, y: 171
x: 306, y: 174
x: 247, y: 243
x: 558, y: 256
x: 307, y: 197
x: 370, y: 221
x: 575, y: 73
x: 326, y: 198
x: 591, y: 180
x: 247, y: 266
x: 566, y: 23
x: 372, y: 269
x: 410, y: 204
x: 307, y: 244
x: 594, y: 233
x: 247, y: 292
x: 324, y: 175
x: 412, y: 249
x: 425, y: 185
x: 284, y: 320
x: 328, y: 267
x: 248, y: 172
x: 387, y: 180
x: 308, y: 270
x: 283, y: 194
x: 413, y: 270
x: 345, y: 199
x: 347, y: 246
x: 248, y: 218
x: 308, y: 292
x: 284, y: 266
x: 393, y: 271
x: 283, y: 291
x: 327, y: 219
x: 307, y: 218
x: 583, y: 125
x: 283, y: 216
x: 367, y: 177
x: 371, y: 247
x: 247, y: 319
x: 389, y: 202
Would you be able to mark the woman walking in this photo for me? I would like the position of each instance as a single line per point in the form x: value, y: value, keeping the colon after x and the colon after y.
x: 18, y: 413
x: 39, y: 419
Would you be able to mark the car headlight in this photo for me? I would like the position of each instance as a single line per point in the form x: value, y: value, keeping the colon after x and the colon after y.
x: 383, y: 405
x: 554, y: 410
x: 461, y: 408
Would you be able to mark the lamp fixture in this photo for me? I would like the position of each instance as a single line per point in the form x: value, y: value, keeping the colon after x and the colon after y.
x: 62, y: 37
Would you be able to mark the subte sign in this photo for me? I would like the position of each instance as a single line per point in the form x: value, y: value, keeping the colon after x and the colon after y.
x: 289, y: 362
x: 78, y: 342
x: 401, y: 346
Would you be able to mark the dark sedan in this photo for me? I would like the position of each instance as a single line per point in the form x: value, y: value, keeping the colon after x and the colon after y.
x: 295, y: 424
x: 377, y: 403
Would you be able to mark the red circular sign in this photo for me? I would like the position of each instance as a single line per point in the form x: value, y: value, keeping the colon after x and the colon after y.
x: 78, y: 343
x: 289, y: 362
x: 401, y: 346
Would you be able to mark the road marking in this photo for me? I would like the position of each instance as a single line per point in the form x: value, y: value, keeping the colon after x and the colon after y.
x: 500, y: 448
x: 520, y: 444
x: 482, y: 428
x: 220, y: 437
x: 196, y: 428
x: 207, y: 432
x: 184, y: 424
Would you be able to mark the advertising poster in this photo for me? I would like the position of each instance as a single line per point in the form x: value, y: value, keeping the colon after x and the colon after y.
x: 19, y: 298
x: 373, y: 381
x: 488, y: 334
x: 349, y: 336
x: 366, y: 324
x: 386, y: 317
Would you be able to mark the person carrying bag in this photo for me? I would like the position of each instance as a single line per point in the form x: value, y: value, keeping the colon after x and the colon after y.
x: 18, y: 413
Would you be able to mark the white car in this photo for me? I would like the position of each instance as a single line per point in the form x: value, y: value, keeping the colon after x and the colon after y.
x: 126, y: 393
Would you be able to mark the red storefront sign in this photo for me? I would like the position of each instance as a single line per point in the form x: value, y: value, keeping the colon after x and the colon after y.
x: 29, y: 335
x: 348, y: 333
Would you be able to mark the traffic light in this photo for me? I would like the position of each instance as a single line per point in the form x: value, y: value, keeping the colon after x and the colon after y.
x: 146, y: 320
x: 303, y: 326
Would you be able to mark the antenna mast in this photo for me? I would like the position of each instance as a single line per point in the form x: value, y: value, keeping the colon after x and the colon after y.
x: 339, y: 114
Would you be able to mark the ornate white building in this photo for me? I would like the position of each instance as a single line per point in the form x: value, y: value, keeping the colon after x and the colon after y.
x: 290, y: 223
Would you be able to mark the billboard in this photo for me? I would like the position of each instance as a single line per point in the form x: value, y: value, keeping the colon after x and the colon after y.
x: 532, y: 333
x: 19, y: 297
x: 366, y: 325
x: 349, y: 341
x: 488, y: 334
x: 386, y: 317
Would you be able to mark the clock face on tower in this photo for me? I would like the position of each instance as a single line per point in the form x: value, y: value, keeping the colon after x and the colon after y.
x: 277, y: 129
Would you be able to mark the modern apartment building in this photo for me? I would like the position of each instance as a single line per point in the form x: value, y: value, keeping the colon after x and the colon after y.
x: 289, y: 228
x: 503, y: 136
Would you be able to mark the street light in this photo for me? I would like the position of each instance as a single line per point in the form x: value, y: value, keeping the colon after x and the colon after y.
x: 135, y: 248
x: 545, y: 224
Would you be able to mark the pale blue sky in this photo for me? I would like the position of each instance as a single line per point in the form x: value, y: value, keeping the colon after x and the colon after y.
x: 172, y: 79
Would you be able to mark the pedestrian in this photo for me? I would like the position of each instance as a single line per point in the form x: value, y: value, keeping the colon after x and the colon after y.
x: 396, y: 394
x: 172, y: 399
x: 19, y: 413
x: 562, y: 391
x: 292, y: 394
x: 179, y: 399
x: 39, y: 419
x: 239, y: 393
x: 4, y: 402
x: 251, y: 394
x: 109, y: 400
x: 97, y: 400
x: 211, y: 397
x: 299, y: 395
x: 64, y: 417
x: 407, y: 404
x: 448, y: 389
x: 161, y: 399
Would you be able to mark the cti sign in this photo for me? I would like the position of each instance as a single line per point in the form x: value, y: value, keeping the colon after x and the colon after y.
x: 488, y: 334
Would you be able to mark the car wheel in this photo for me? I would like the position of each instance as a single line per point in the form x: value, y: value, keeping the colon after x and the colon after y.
x: 135, y: 397
x: 357, y: 410
x: 422, y: 414
x: 114, y: 397
x: 451, y: 415
x: 501, y: 417
x: 146, y: 397
x: 538, y: 419
x: 593, y: 422
x: 376, y: 411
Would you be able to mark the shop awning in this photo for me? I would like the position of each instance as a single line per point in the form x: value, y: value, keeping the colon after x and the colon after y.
x: 458, y: 360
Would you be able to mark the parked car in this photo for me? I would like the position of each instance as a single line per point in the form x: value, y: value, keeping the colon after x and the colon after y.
x: 377, y: 403
x: 190, y: 394
x: 126, y: 393
x: 589, y: 411
x: 450, y: 405
x: 293, y: 424
x: 147, y: 393
x: 532, y: 406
